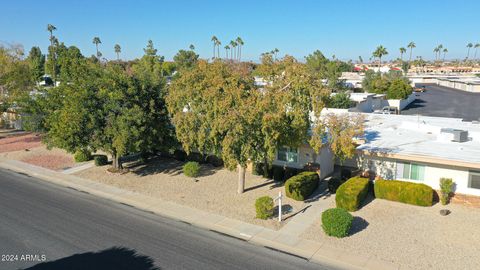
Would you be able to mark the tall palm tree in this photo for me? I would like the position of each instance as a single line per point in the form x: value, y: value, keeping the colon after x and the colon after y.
x: 233, y: 45
x: 379, y: 52
x: 402, y: 51
x: 240, y: 44
x: 445, y: 51
x: 214, y: 40
x: 469, y: 46
x: 436, y: 50
x: 411, y: 45
x: 226, y: 51
x: 275, y: 51
x: 218, y: 43
x: 118, y: 50
x: 191, y: 47
x: 96, y: 41
x: 51, y: 28
x: 477, y: 45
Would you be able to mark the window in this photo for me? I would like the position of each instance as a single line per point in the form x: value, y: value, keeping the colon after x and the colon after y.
x: 287, y: 154
x: 474, y: 180
x: 410, y: 171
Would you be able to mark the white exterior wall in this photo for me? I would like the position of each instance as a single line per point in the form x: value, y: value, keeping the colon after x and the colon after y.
x: 386, y: 168
x: 400, y: 104
x: 307, y: 155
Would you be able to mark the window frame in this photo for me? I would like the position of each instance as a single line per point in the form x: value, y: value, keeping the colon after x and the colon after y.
x: 407, y: 166
x: 290, y: 153
x: 470, y: 175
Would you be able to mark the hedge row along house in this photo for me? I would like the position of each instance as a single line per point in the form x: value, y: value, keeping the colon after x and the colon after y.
x: 410, y: 148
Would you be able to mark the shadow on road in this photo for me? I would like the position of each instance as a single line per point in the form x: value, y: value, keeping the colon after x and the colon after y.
x: 118, y: 258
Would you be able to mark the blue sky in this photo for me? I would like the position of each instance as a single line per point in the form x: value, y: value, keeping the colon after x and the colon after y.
x: 345, y: 29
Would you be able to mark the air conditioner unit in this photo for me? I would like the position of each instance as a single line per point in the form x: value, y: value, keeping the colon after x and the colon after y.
x: 458, y: 134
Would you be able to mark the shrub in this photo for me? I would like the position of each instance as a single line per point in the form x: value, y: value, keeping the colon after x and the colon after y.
x: 406, y: 192
x: 302, y: 185
x: 278, y: 173
x: 215, y: 161
x: 180, y: 155
x: 82, y: 155
x: 191, y: 169
x: 336, y: 222
x: 100, y: 160
x: 351, y: 193
x: 446, y: 188
x: 333, y: 184
x: 264, y: 207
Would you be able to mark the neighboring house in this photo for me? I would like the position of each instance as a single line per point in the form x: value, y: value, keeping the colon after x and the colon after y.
x: 409, y: 148
x: 422, y: 150
x: 369, y: 102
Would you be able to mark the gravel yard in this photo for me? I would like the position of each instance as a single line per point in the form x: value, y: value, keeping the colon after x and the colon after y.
x: 29, y: 148
x: 412, y: 236
x: 213, y: 191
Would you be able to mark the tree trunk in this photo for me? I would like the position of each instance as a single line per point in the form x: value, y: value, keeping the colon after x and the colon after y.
x: 116, y: 161
x: 265, y: 167
x: 241, y: 179
x: 410, y: 58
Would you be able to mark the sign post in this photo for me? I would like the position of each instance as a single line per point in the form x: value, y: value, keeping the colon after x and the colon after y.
x: 279, y: 199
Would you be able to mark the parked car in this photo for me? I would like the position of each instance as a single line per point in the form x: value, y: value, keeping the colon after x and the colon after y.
x: 419, y: 89
x: 387, y: 110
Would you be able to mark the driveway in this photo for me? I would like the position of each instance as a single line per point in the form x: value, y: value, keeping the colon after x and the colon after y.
x: 445, y: 102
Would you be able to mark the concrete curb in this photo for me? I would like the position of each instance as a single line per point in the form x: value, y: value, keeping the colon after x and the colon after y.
x: 258, y: 235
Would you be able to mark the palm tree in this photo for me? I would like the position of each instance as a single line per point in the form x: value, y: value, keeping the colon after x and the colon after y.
x: 214, y: 40
x: 240, y: 44
x: 118, y: 50
x: 275, y: 51
x: 411, y: 45
x: 402, y: 51
x: 53, y: 40
x: 96, y: 41
x: 444, y: 53
x: 469, y: 46
x: 379, y: 52
x: 436, y: 51
x: 191, y: 47
x: 218, y: 43
x: 477, y: 45
x: 226, y: 51
x: 233, y: 44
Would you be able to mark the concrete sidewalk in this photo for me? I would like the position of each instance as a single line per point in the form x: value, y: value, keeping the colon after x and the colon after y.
x: 283, y: 240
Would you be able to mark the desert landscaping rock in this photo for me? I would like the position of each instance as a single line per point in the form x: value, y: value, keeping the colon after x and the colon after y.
x: 411, y: 236
x: 214, y: 190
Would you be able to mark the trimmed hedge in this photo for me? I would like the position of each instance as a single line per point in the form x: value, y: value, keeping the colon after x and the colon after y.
x: 405, y: 192
x: 302, y: 185
x: 351, y: 193
x: 100, y: 160
x: 191, y: 169
x: 336, y: 222
x: 82, y: 155
x: 264, y: 207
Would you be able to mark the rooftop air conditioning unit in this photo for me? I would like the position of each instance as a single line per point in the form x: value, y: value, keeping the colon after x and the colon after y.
x: 458, y: 134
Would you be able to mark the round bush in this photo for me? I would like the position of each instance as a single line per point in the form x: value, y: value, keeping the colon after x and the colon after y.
x: 264, y: 207
x: 100, y: 160
x: 336, y: 222
x: 82, y: 155
x: 191, y: 169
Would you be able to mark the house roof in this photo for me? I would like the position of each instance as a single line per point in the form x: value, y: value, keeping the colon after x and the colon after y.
x: 421, y: 137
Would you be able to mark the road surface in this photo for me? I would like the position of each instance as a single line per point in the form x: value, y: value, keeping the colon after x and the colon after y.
x: 68, y: 229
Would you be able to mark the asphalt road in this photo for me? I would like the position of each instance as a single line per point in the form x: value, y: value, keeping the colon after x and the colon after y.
x: 445, y: 102
x: 45, y: 227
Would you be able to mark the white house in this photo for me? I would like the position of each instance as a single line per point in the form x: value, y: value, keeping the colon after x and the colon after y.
x: 410, y: 148
x: 422, y: 149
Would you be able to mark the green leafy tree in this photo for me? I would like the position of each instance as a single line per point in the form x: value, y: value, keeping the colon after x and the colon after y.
x: 340, y: 101
x: 399, y: 89
x: 185, y: 59
x: 36, y: 61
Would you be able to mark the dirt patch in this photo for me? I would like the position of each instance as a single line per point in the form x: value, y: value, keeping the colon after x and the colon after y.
x: 50, y: 161
x: 22, y: 142
x: 213, y: 191
x: 414, y: 237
